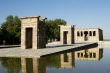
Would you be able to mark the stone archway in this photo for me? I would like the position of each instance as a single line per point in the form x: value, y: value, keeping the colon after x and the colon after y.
x: 31, y: 38
x: 66, y: 34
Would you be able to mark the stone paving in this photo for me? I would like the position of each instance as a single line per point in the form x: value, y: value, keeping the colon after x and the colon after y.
x: 18, y: 52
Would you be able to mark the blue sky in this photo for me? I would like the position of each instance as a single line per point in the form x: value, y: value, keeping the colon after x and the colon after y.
x: 81, y: 13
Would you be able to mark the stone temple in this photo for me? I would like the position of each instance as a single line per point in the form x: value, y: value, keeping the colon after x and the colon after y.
x: 70, y: 35
x: 33, y: 32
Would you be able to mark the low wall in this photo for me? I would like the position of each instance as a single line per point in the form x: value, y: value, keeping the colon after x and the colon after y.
x: 104, y: 44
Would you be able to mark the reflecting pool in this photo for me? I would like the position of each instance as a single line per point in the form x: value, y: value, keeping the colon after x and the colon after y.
x: 92, y: 60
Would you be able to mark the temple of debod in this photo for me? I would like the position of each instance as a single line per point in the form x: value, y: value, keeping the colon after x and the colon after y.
x: 34, y: 44
x: 33, y: 33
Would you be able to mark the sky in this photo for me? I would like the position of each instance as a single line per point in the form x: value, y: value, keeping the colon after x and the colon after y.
x: 81, y: 13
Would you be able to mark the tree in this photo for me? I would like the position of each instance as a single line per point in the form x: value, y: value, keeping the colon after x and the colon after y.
x: 53, y: 28
x: 10, y: 30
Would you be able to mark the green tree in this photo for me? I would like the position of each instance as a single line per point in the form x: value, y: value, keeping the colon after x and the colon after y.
x: 10, y: 30
x: 53, y: 28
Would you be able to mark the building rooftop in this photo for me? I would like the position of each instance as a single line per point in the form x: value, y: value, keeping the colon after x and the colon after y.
x: 87, y: 28
x: 30, y: 17
x: 41, y: 18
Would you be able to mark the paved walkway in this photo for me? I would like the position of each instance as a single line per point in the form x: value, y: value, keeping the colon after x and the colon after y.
x: 18, y: 52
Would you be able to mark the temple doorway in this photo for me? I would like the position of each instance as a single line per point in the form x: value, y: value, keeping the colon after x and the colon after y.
x: 65, y: 37
x: 28, y: 38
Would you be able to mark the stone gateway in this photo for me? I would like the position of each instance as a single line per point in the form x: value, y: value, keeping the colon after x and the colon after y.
x: 33, y: 33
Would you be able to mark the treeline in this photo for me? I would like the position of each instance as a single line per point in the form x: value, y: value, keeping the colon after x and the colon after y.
x: 10, y: 30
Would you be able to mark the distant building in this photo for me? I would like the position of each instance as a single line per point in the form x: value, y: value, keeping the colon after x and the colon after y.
x: 88, y: 35
x: 70, y: 35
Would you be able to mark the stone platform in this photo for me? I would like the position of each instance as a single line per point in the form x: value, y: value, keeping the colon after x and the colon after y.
x: 29, y: 53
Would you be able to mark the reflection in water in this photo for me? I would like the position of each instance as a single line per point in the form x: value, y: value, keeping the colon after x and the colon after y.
x: 64, y: 60
x: 32, y: 65
x: 89, y: 54
x: 39, y: 65
x: 67, y: 60
x: 12, y: 65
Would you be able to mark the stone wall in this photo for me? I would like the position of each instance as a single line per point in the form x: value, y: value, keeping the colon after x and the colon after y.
x: 88, y: 35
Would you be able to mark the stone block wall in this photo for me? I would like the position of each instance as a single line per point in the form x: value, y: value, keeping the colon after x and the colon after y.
x: 88, y: 35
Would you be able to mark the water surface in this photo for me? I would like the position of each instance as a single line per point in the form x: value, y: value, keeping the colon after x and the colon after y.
x: 92, y: 60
